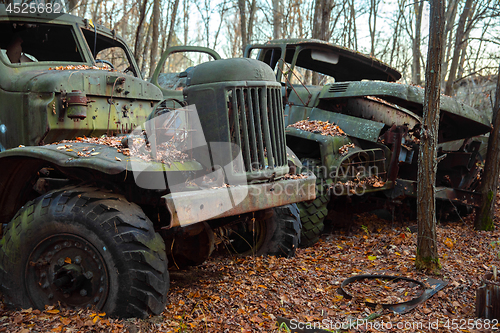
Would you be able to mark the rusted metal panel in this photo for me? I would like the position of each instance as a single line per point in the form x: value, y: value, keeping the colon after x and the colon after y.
x: 488, y: 298
x: 108, y: 160
x: 195, y: 206
x: 356, y: 127
x: 404, y: 187
x: 458, y: 120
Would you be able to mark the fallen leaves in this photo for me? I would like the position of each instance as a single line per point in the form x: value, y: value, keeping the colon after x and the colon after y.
x: 319, y: 127
x: 344, y: 150
x: 166, y: 152
x: 448, y: 242
x: 236, y: 294
x: 77, y: 67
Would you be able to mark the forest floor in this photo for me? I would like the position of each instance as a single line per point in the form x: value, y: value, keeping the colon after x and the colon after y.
x: 235, y: 294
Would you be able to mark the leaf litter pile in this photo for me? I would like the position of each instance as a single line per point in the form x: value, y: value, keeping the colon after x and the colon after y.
x: 166, y: 152
x: 245, y: 294
x: 79, y: 67
x: 319, y: 127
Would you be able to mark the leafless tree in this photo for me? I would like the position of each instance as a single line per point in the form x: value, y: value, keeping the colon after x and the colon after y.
x: 427, y: 253
x: 489, y: 182
x: 155, y: 35
x: 372, y: 24
x: 459, y: 46
x: 277, y: 18
x: 418, y: 7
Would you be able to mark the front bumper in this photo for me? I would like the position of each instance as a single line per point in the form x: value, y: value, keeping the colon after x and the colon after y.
x: 196, y: 206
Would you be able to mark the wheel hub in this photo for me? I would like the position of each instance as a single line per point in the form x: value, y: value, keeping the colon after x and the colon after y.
x: 68, y: 269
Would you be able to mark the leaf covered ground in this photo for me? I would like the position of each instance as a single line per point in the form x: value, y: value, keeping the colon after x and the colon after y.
x: 234, y: 294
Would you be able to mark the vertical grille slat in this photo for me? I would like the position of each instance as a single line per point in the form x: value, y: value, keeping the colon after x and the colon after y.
x: 254, y: 101
x: 256, y: 164
x: 235, y: 123
x: 259, y: 126
x: 281, y: 126
x: 265, y: 125
x: 280, y: 129
x: 275, y: 133
x: 239, y: 108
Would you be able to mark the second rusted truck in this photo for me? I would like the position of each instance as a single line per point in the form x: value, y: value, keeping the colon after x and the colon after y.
x: 372, y: 161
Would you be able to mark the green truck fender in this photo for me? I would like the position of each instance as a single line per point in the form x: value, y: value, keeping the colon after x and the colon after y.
x: 20, y: 167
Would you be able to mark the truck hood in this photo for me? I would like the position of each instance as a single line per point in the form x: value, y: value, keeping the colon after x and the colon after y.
x: 457, y: 121
x: 90, y: 81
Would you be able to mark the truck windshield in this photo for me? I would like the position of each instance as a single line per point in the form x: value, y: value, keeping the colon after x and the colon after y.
x: 23, y: 42
x: 109, y: 52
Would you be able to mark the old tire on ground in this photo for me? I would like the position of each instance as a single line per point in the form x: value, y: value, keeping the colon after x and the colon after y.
x: 313, y: 214
x: 277, y: 235
x: 84, y: 247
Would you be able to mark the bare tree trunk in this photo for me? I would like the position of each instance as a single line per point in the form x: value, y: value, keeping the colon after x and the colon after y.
x: 427, y: 253
x: 139, y: 30
x: 243, y: 24
x: 415, y: 68
x: 277, y: 18
x: 145, y: 50
x: 372, y: 24
x: 123, y: 21
x: 251, y: 19
x: 185, y: 21
x: 155, y: 37
x: 451, y: 13
x: 395, y: 37
x: 222, y: 11
x: 321, y: 26
x: 96, y: 13
x: 459, y: 43
x: 353, y: 22
x: 172, y: 24
x: 489, y: 182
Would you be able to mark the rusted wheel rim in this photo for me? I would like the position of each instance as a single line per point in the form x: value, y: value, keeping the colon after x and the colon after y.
x: 387, y: 277
x: 250, y: 235
x: 68, y: 269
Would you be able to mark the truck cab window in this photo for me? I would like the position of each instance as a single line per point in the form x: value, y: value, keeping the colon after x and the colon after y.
x: 25, y: 43
x: 109, y: 53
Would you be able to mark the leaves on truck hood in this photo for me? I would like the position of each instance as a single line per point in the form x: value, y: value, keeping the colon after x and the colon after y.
x: 319, y: 127
x: 79, y: 67
x: 166, y: 152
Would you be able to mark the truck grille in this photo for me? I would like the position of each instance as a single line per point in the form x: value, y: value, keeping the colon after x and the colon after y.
x: 362, y: 164
x: 257, y: 126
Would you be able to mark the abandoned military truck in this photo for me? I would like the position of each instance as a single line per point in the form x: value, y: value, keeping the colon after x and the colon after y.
x: 359, y: 131
x: 101, y: 179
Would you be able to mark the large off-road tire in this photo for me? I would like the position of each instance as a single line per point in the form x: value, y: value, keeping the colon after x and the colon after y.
x: 276, y: 235
x: 313, y: 214
x: 84, y: 247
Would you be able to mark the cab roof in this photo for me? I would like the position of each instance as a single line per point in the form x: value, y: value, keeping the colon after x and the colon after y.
x: 350, y: 65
